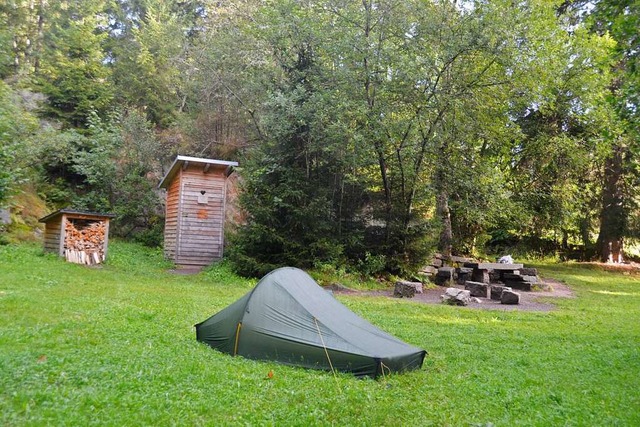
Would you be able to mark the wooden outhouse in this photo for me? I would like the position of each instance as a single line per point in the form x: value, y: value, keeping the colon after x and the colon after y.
x: 194, y: 221
x: 80, y: 237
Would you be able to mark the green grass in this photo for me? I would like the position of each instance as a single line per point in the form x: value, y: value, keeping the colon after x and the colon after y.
x: 116, y: 346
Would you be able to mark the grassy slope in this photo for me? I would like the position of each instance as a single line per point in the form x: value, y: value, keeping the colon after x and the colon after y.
x: 115, y: 346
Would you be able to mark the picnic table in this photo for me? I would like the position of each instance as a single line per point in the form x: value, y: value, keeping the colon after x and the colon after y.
x: 481, y: 270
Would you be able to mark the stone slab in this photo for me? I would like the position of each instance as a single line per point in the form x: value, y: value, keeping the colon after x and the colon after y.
x: 446, y: 272
x: 481, y: 276
x: 477, y: 289
x: 521, y: 286
x: 493, y: 266
x: 429, y: 269
x: 463, y: 274
x: 460, y: 259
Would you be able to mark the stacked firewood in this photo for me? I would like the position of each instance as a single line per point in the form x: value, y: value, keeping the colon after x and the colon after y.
x: 85, y: 245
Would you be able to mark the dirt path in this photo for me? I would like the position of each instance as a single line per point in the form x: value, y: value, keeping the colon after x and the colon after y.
x: 529, y: 301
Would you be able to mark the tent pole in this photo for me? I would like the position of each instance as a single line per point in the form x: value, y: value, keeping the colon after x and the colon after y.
x: 235, y: 347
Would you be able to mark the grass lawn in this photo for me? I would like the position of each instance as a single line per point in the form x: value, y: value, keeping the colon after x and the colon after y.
x: 116, y: 346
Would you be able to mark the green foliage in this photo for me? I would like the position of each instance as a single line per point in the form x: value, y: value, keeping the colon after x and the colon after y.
x: 114, y: 344
x: 21, y: 27
x: 109, y: 168
x: 72, y: 73
x: 6, y: 177
x: 368, y: 131
x: 6, y: 53
x: 16, y: 127
x: 372, y: 264
x: 149, y: 59
x: 293, y: 179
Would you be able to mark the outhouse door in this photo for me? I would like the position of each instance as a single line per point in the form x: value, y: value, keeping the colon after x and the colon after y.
x: 200, y: 238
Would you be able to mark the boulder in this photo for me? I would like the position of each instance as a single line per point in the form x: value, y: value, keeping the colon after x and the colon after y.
x: 447, y: 272
x: 406, y: 289
x: 495, y: 276
x: 5, y: 216
x: 463, y: 274
x: 477, y: 289
x: 429, y: 270
x: 529, y: 271
x: 510, y: 297
x: 519, y: 285
x: 530, y: 279
x: 480, y: 275
x: 455, y: 296
x: 496, y: 291
x: 444, y: 276
x: 436, y: 262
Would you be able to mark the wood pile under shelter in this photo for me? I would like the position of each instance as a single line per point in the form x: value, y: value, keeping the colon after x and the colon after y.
x: 195, y: 212
x: 80, y: 237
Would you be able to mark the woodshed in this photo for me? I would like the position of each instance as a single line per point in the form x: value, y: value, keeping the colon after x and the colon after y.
x: 80, y: 237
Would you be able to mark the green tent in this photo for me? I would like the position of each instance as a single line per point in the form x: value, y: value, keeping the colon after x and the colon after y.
x: 288, y: 318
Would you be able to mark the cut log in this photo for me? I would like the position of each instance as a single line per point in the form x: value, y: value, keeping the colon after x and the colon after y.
x: 84, y: 243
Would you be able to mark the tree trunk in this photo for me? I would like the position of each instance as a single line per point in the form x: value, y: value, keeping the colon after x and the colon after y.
x: 444, y: 213
x: 610, y: 243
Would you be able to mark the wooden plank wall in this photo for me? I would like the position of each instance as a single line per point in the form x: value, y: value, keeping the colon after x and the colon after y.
x: 52, y: 233
x: 171, y: 219
x: 200, y: 235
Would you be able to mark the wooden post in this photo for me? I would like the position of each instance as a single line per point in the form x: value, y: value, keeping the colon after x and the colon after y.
x: 63, y: 221
x: 106, y: 239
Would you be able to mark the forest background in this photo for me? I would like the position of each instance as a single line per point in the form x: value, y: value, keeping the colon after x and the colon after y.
x: 369, y: 133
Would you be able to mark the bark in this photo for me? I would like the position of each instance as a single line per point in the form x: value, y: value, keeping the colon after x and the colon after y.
x: 585, y: 233
x: 444, y: 213
x: 610, y: 243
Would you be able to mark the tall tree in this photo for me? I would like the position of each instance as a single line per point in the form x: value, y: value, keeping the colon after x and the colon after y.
x: 16, y: 128
x: 73, y: 73
x: 555, y: 163
x: 151, y: 50
x: 293, y: 174
x: 22, y: 25
x: 620, y: 19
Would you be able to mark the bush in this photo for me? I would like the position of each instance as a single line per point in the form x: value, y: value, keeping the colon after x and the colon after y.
x: 153, y: 236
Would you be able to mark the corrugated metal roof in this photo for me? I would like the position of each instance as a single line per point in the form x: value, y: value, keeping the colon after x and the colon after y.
x: 181, y: 160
